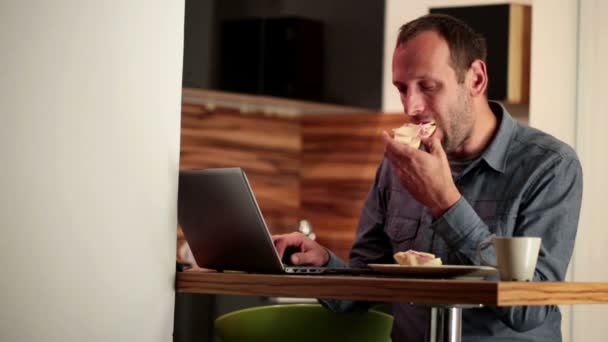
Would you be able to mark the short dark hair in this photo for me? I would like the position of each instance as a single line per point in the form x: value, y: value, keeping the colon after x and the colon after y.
x: 465, y: 44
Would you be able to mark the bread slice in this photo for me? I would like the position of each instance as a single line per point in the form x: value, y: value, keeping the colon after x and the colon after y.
x: 411, y: 134
x: 415, y: 258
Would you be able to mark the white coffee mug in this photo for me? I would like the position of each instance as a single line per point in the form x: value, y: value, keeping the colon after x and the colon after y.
x: 515, y: 256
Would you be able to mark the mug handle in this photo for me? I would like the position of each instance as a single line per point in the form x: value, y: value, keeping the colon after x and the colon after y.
x: 483, y: 245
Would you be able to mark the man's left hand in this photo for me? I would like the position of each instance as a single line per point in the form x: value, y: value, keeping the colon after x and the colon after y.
x: 426, y: 176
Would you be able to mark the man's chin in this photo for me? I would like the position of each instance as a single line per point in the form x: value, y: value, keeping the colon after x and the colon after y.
x: 448, y: 145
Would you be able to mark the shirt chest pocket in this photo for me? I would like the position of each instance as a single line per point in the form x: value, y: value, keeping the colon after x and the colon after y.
x: 402, y: 232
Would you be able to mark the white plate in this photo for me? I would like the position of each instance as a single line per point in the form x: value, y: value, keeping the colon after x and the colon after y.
x: 445, y: 271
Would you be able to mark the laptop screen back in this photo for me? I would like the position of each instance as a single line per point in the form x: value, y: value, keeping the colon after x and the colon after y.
x: 223, y: 223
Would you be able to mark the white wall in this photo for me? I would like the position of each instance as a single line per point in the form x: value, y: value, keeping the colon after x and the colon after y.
x: 89, y: 148
x: 554, y: 67
x: 553, y: 73
x: 589, y: 321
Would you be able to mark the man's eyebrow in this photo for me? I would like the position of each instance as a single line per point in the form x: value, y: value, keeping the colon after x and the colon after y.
x: 427, y: 78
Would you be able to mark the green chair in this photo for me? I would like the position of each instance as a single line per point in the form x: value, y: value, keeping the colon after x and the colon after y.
x: 302, y: 322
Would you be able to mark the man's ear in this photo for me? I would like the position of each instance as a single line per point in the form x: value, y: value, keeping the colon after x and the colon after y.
x: 478, y: 78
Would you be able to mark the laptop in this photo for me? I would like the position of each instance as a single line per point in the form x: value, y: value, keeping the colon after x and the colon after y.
x: 224, y: 226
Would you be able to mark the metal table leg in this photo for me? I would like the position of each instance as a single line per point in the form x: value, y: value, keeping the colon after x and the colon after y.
x: 445, y: 324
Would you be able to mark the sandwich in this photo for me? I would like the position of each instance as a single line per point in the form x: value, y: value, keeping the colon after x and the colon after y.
x: 411, y: 134
x: 415, y: 258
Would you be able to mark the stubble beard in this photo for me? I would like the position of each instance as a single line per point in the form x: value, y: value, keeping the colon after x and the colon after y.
x: 460, y: 125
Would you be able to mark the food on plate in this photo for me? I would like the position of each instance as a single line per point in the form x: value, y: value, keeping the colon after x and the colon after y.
x: 415, y: 258
x: 410, y: 134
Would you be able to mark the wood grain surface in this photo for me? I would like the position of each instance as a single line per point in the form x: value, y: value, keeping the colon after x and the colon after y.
x: 541, y: 293
x: 339, y: 287
x: 266, y: 147
x: 388, y: 289
x: 314, y: 167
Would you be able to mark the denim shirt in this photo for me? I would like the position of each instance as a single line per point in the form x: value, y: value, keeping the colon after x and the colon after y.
x: 525, y: 183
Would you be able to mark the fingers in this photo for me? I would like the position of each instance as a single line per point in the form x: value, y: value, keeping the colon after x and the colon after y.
x: 184, y: 254
x: 316, y: 256
x: 309, y: 252
x: 281, y: 242
x: 284, y: 241
x: 433, y: 145
x: 394, y: 151
x: 391, y: 144
x: 305, y: 258
x: 386, y: 138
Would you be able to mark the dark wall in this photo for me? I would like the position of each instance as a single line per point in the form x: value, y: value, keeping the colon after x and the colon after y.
x: 492, y: 22
x: 198, y: 38
x: 353, y: 38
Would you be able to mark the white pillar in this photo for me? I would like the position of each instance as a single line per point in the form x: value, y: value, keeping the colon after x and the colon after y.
x: 553, y: 83
x: 589, y: 321
x: 89, y: 150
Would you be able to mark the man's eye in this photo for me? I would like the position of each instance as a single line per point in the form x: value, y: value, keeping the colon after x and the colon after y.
x: 427, y: 86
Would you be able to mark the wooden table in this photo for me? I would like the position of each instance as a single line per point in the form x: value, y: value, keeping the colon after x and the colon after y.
x: 447, y: 298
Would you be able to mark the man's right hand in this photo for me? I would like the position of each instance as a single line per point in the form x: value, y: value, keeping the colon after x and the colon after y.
x: 308, y: 253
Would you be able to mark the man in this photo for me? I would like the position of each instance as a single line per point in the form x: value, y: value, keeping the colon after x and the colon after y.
x: 480, y: 174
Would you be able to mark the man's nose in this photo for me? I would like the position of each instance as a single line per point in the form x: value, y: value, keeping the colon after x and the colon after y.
x: 413, y: 104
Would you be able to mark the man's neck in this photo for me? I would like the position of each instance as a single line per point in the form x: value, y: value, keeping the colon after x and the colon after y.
x: 484, y: 130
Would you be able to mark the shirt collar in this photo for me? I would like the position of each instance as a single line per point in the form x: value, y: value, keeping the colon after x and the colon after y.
x: 496, y: 153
